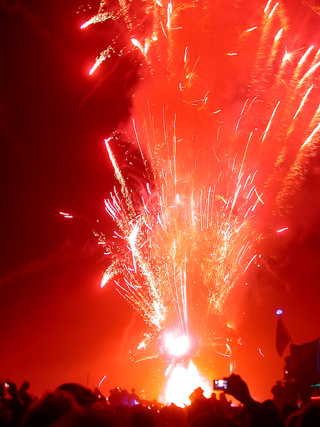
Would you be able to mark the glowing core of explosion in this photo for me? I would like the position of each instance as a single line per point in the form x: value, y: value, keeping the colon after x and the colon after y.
x: 182, y: 382
x: 177, y: 345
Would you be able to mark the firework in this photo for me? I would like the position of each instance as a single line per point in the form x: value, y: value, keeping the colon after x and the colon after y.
x: 226, y: 123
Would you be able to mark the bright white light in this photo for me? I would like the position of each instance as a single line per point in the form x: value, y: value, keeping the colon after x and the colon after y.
x: 177, y: 345
x: 182, y: 382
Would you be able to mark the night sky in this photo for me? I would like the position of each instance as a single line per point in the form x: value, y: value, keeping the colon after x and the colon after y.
x: 55, y: 319
x: 57, y: 325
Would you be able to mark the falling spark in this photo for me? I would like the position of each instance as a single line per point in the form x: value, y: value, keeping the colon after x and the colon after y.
x: 267, y: 6
x: 282, y: 230
x: 273, y: 10
x: 66, y: 215
x: 102, y: 381
x: 309, y: 139
x: 279, y: 34
x: 303, y: 101
x: 270, y: 121
x: 309, y: 72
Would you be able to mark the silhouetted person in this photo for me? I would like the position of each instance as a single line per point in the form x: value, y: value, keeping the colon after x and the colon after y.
x: 82, y: 395
x: 259, y: 415
x: 49, y: 409
x: 196, y: 394
x: 307, y: 416
x: 198, y: 407
x: 133, y: 398
x: 24, y: 395
x: 279, y: 395
x: 224, y: 404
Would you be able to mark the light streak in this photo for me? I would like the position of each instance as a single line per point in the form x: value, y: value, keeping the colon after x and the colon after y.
x: 267, y: 6
x: 279, y: 34
x: 309, y: 72
x: 99, y: 60
x: 310, y: 137
x: 185, y: 54
x: 273, y: 10
x: 303, y: 101
x: 306, y: 54
x: 282, y: 230
x: 66, y: 215
x: 100, y: 17
x: 270, y: 121
x: 101, y: 381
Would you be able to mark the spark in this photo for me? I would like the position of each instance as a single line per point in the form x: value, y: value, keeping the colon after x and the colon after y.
x: 169, y: 11
x: 137, y: 44
x: 252, y: 259
x: 303, y: 101
x: 309, y: 72
x: 100, y: 17
x: 278, y: 36
x: 142, y: 345
x: 282, y: 230
x: 286, y: 57
x: 101, y: 381
x: 185, y: 54
x: 273, y: 10
x: 66, y: 215
x: 99, y: 60
x: 306, y: 54
x: 270, y: 121
x: 309, y: 139
x: 267, y: 6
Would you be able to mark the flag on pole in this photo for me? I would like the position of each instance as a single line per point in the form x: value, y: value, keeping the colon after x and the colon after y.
x: 282, y: 337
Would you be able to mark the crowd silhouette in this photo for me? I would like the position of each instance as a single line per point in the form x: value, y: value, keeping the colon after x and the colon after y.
x: 73, y: 405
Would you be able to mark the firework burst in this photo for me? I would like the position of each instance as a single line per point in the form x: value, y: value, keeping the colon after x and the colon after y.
x: 226, y: 124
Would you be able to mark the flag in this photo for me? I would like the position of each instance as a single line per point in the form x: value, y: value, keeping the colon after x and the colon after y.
x: 282, y: 337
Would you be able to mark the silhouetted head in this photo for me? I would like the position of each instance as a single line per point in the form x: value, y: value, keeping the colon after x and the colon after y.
x: 49, y: 408
x: 308, y: 416
x: 82, y: 395
x: 198, y: 407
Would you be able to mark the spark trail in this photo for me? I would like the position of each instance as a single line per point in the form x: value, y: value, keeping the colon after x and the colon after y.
x: 226, y: 121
